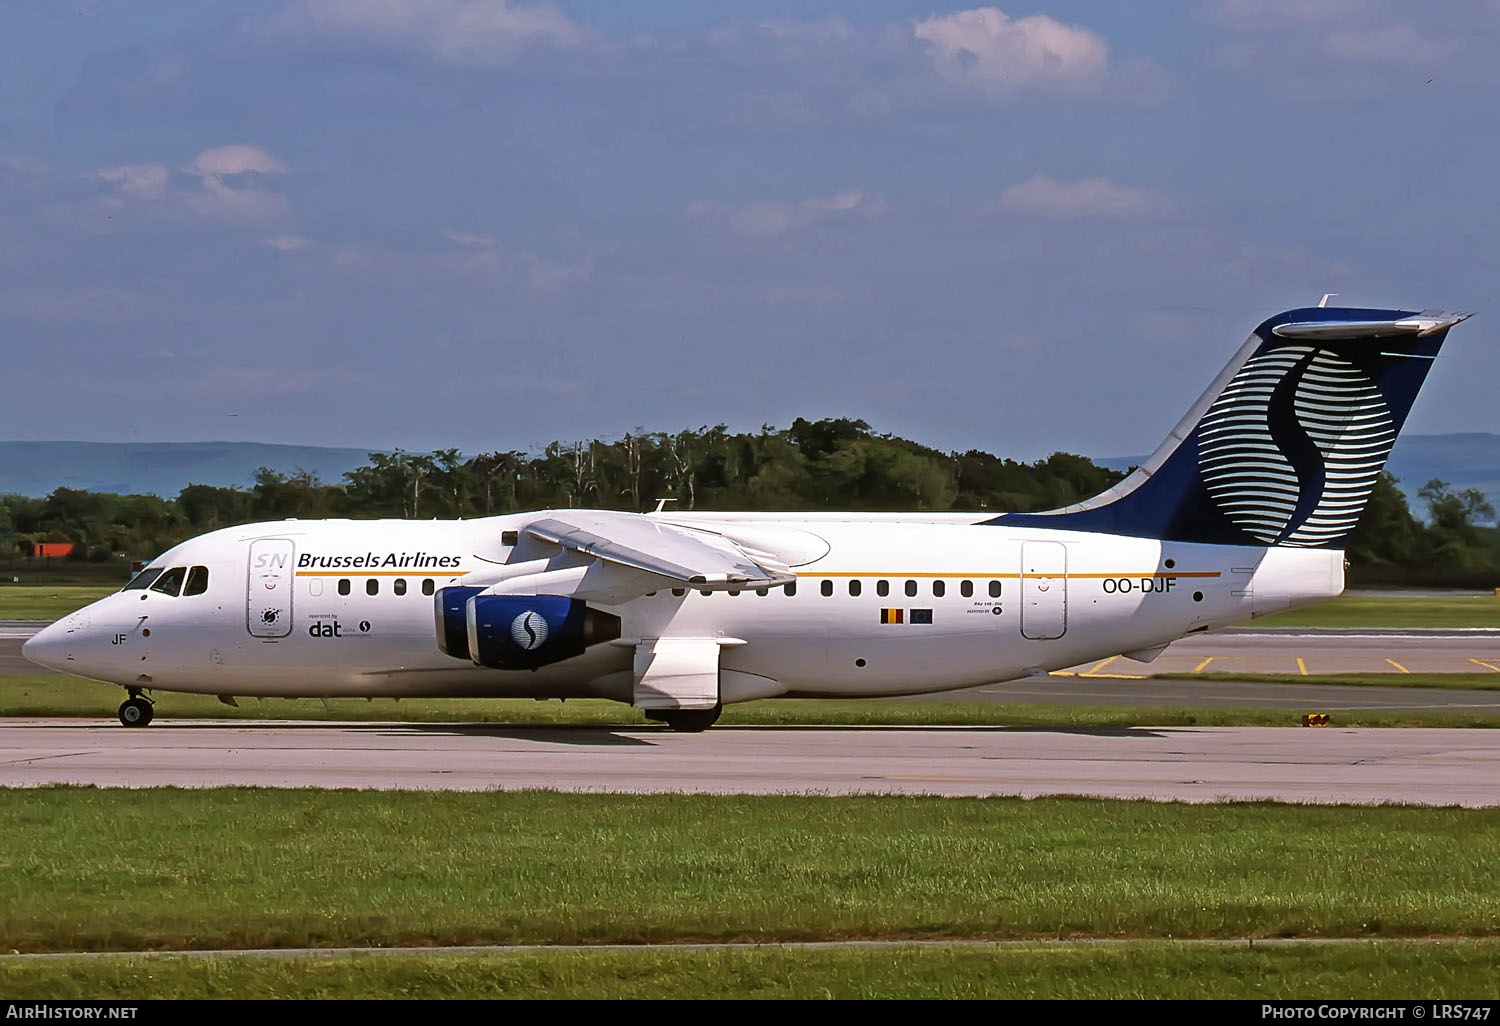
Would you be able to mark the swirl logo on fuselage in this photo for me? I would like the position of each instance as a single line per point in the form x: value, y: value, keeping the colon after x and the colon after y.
x: 529, y: 630
x: 1291, y: 449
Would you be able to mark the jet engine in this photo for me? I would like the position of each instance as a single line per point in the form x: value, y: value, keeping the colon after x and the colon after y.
x: 451, y: 607
x: 522, y: 632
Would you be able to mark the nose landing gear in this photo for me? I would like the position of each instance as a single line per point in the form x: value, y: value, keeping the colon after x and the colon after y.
x: 136, y: 711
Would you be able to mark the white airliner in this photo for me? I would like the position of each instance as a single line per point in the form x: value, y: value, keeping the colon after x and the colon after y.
x: 1242, y: 511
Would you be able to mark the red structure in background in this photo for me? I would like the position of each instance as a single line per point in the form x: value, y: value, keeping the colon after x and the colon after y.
x: 46, y: 550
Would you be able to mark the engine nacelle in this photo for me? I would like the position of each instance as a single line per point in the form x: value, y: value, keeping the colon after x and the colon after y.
x: 522, y: 632
x: 451, y: 611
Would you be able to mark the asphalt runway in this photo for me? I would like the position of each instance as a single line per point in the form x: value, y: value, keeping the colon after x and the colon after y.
x: 1428, y: 767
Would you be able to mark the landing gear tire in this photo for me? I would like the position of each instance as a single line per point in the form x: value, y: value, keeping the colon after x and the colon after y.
x: 689, y: 721
x: 135, y: 712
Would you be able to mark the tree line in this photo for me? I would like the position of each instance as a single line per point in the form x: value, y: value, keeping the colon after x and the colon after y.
x: 829, y: 464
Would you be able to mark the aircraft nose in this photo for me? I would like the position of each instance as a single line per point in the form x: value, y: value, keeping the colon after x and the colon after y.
x: 48, y: 646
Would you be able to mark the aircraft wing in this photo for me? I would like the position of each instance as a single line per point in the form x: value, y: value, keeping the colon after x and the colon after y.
x: 697, y: 558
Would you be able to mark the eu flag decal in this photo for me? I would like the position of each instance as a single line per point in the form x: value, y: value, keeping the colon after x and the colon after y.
x: 891, y: 615
x: 921, y: 616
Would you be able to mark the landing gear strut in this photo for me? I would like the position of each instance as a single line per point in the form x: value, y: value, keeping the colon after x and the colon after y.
x: 687, y: 721
x: 136, y: 711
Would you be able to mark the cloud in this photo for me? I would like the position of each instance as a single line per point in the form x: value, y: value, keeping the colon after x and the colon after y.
x: 222, y: 185
x: 75, y: 306
x: 1260, y: 13
x: 472, y: 240
x: 471, y: 32
x: 238, y: 159
x: 287, y: 243
x: 770, y: 219
x: 478, y: 259
x: 988, y: 50
x: 1394, y: 44
x: 1040, y: 196
x: 23, y: 164
x: 142, y: 183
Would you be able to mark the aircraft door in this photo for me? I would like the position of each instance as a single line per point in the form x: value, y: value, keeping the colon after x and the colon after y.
x: 268, y: 597
x: 1044, y: 590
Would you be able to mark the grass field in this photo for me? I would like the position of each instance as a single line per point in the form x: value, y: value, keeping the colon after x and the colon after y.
x: 49, y: 695
x: 86, y: 869
x: 1146, y: 969
x: 48, y: 602
x: 1394, y: 611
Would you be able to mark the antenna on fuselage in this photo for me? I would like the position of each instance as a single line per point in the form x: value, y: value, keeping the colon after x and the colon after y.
x: 661, y: 505
x: 1326, y: 297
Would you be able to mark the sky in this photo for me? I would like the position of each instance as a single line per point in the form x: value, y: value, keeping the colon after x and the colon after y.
x: 489, y: 224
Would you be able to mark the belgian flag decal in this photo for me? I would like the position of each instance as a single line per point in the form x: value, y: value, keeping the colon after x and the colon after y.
x: 892, y: 615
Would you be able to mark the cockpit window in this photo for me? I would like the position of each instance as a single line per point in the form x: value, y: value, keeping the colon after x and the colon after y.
x: 197, y: 582
x: 143, y: 579
x: 170, y: 583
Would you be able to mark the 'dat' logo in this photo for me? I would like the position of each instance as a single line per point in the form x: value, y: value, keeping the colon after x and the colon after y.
x: 529, y: 630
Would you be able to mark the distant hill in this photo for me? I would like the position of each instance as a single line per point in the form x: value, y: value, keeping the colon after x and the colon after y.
x: 1463, y: 460
x: 159, y: 468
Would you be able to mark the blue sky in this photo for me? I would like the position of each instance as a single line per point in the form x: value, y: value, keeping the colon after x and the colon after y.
x: 493, y: 224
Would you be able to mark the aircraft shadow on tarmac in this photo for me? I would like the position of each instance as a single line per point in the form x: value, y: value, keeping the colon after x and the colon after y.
x: 558, y: 734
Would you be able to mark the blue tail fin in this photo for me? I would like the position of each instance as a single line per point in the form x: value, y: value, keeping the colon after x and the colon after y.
x: 1285, y: 446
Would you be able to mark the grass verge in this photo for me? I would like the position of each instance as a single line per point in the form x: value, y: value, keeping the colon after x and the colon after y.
x: 48, y: 601
x: 1453, y: 681
x: 88, y: 869
x: 1146, y: 969
x: 1394, y: 611
x: 54, y: 695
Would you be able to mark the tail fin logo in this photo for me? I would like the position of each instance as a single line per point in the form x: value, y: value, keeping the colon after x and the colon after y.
x: 1291, y: 449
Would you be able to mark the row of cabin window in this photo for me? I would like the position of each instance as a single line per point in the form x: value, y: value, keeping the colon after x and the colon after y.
x: 372, y: 586
x: 882, y: 589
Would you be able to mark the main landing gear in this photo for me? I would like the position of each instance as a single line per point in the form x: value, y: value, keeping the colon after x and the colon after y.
x: 136, y: 711
x: 687, y: 721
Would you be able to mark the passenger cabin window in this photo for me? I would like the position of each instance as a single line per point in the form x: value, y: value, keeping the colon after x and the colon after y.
x: 372, y: 586
x: 826, y: 588
x: 399, y: 586
x: 343, y: 585
x: 427, y: 586
x: 966, y: 589
x: 143, y: 579
x: 762, y: 592
x: 911, y: 589
x: 170, y: 583
x: 939, y: 589
x: 791, y: 588
x: 197, y: 582
x: 882, y: 588
x: 994, y: 589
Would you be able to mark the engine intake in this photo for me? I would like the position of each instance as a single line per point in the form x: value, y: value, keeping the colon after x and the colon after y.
x: 522, y: 632
x: 451, y: 610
